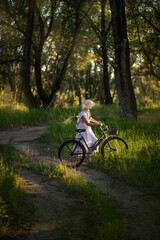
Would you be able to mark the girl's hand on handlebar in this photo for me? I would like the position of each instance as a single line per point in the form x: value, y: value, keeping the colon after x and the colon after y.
x: 100, y: 124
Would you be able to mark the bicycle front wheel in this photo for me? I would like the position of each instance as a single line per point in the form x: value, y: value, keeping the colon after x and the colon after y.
x: 72, y: 153
x: 114, y: 143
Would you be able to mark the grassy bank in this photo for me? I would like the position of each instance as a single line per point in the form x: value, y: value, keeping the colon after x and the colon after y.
x: 102, y: 221
x: 14, y: 207
x: 140, y: 166
x: 101, y: 218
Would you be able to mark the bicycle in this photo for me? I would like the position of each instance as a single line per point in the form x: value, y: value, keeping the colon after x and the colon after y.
x: 73, y: 151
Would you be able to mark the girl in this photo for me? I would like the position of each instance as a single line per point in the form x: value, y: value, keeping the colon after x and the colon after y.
x: 83, y: 122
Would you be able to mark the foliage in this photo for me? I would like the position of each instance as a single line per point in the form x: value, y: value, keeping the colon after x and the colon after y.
x: 12, y: 192
x: 143, y: 27
x: 4, y: 222
x: 143, y: 32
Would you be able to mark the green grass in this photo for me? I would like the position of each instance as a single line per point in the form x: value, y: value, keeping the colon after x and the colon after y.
x: 102, y: 220
x: 13, y: 202
x: 140, y: 165
x: 17, y: 117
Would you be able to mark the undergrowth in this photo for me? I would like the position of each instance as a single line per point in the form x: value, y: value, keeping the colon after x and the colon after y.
x: 102, y: 220
x: 140, y: 165
x: 13, y: 202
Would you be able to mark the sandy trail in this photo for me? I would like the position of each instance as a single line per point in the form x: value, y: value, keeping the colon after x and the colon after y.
x: 141, y: 209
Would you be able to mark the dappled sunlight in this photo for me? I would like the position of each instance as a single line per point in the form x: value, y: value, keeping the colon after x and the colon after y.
x: 149, y: 118
x: 55, y: 55
x: 7, y: 101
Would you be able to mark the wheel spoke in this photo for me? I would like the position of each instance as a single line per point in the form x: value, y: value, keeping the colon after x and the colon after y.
x: 72, y: 153
x: 115, y: 144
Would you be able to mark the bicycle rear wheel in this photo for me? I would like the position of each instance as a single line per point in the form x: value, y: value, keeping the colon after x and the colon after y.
x: 71, y: 153
x: 114, y: 143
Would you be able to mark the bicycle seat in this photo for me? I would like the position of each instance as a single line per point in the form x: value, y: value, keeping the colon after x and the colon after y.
x: 80, y: 130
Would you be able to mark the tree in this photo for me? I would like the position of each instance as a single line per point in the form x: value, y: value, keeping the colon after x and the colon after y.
x: 30, y: 98
x: 74, y: 9
x: 124, y: 86
x: 102, y: 30
x: 104, y: 33
x: 38, y: 47
x: 150, y: 18
x: 11, y: 40
x: 48, y: 58
x: 144, y: 31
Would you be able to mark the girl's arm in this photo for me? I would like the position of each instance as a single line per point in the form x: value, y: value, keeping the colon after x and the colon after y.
x: 96, y: 123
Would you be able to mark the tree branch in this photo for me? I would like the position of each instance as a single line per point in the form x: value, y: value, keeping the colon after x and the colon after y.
x: 53, y: 8
x: 13, y: 16
x: 152, y: 25
x: 94, y: 27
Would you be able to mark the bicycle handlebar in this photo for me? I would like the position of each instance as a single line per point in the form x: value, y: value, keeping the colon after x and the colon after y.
x: 102, y: 128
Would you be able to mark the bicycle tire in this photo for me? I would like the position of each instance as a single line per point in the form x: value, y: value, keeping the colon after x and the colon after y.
x: 112, y: 142
x: 68, y: 157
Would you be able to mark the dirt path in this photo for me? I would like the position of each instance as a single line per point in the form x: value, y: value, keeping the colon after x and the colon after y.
x: 141, y: 209
x: 57, y: 215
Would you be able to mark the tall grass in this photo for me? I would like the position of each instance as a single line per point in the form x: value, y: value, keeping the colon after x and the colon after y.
x: 101, y: 218
x: 15, y: 117
x: 13, y: 204
x: 140, y: 165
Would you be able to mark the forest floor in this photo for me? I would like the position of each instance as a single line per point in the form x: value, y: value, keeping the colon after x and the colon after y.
x: 58, y: 215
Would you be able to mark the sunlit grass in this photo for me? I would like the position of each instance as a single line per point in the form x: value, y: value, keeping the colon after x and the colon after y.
x: 7, y: 101
x: 13, y: 203
x: 15, y: 114
x: 140, y: 164
x: 102, y: 220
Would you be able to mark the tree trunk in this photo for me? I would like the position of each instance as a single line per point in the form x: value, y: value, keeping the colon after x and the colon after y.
x: 124, y: 86
x: 48, y: 100
x: 42, y: 95
x: 78, y: 87
x: 108, y: 98
x: 13, y: 80
x: 38, y: 52
x: 88, y: 83
x: 30, y: 99
x: 4, y: 78
x: 61, y: 76
x: 78, y: 81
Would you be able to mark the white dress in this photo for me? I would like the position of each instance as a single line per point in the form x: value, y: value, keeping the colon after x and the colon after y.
x: 88, y: 135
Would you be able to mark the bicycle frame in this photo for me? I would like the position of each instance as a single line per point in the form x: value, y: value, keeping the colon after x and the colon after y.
x: 94, y: 146
x: 78, y: 148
